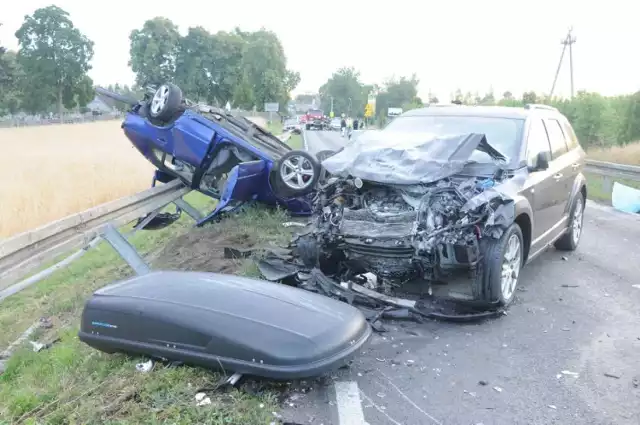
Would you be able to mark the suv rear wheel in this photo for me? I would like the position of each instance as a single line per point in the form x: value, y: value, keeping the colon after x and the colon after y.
x: 569, y: 241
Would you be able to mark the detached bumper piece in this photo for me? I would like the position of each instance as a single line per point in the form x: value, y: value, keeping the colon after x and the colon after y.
x: 218, y: 321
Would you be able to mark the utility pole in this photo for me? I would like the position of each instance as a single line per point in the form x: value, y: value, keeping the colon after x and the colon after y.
x: 569, y: 40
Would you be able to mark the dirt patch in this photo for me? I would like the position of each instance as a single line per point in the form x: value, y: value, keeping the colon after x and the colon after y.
x: 202, y: 250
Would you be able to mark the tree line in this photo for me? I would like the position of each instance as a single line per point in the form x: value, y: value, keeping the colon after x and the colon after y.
x: 598, y: 120
x: 50, y: 69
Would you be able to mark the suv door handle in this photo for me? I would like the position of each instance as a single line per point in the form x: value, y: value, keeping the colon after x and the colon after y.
x: 557, y: 176
x: 575, y: 166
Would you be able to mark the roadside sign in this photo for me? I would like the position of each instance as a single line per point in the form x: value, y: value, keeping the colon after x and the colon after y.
x: 394, y: 112
x: 331, y: 114
x: 368, y: 110
x: 271, y: 107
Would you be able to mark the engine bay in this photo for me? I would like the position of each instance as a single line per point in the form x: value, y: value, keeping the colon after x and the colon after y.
x: 400, y: 232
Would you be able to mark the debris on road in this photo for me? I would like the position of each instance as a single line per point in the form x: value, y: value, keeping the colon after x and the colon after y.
x: 483, y: 383
x: 498, y: 389
x: 569, y: 286
x: 611, y: 375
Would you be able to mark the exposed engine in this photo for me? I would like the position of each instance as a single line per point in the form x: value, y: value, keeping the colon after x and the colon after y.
x: 401, y: 232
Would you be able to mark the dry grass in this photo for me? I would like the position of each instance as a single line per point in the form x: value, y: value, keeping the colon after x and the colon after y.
x: 49, y: 172
x: 628, y: 154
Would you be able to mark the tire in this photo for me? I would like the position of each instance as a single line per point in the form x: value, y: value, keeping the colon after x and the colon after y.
x: 290, y: 181
x: 307, y: 127
x: 489, y: 282
x: 166, y: 102
x: 570, y: 240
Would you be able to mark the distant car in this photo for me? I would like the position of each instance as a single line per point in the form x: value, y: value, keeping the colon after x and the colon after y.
x: 314, y: 119
x: 335, y: 124
x: 293, y: 126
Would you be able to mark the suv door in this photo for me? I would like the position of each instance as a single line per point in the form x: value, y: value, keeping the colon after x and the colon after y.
x: 540, y: 184
x: 561, y: 164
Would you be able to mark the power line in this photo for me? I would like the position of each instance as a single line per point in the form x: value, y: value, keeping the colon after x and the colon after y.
x: 569, y: 40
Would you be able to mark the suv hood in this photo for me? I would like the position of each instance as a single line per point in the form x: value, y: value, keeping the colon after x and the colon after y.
x: 407, y: 158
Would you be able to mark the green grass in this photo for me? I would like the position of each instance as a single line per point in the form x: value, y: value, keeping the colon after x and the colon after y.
x: 275, y: 126
x: 73, y: 383
x: 295, y: 141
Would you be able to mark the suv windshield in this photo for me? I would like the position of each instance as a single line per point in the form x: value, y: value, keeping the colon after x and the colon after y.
x: 504, y: 134
x: 314, y: 112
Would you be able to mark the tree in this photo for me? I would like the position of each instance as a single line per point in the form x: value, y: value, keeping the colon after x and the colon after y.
x: 265, y: 63
x: 348, y: 93
x: 154, y: 50
x: 55, y: 57
x: 398, y: 93
x: 10, y: 78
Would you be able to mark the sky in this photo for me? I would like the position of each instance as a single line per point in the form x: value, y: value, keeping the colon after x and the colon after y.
x: 468, y: 44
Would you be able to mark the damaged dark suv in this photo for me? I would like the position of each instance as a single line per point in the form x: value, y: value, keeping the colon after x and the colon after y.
x: 456, y: 198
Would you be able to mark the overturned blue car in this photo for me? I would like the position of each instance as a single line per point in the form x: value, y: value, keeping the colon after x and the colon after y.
x: 214, y: 152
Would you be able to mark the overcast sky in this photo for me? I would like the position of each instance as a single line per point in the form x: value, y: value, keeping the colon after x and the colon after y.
x: 505, y: 44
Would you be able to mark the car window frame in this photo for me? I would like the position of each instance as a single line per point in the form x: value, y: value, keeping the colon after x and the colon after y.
x: 528, y: 140
x: 571, y: 138
x: 554, y: 154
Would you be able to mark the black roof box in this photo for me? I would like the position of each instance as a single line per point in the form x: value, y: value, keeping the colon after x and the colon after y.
x: 219, y: 321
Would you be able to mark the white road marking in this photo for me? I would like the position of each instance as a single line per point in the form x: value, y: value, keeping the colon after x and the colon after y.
x: 349, y: 404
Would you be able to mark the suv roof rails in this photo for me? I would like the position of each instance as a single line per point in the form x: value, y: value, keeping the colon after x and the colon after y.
x: 540, y: 106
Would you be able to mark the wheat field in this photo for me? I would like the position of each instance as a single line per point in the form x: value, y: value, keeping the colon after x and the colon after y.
x: 49, y: 172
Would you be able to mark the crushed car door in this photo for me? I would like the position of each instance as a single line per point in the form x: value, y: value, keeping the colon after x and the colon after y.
x: 540, y: 185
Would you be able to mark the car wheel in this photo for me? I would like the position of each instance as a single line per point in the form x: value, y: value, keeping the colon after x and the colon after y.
x: 569, y: 241
x: 165, y: 102
x: 297, y: 173
x: 500, y: 267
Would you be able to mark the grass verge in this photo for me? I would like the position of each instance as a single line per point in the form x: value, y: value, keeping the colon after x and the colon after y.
x: 73, y: 383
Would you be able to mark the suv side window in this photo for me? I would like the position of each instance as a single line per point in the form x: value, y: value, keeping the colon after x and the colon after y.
x: 572, y: 139
x: 556, y: 137
x: 537, y: 141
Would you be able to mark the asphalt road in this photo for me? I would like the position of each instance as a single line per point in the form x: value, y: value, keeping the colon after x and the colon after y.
x: 567, y: 352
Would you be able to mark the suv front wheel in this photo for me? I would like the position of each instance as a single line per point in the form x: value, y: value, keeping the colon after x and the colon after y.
x: 569, y: 241
x: 500, y: 267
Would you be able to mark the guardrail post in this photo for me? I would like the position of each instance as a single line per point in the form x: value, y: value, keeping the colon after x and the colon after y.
x: 607, y: 184
x: 126, y: 250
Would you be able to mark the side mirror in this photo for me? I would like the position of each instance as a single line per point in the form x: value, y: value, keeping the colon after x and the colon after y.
x: 542, y: 162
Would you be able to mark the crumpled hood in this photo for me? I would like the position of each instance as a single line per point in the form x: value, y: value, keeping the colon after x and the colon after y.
x: 406, y: 158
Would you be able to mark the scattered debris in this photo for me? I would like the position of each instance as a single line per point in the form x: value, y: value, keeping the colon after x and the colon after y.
x: 551, y: 406
x: 635, y: 286
x: 611, y: 375
x: 483, y: 383
x: 202, y: 399
x: 565, y: 258
x: 567, y: 373
x: 145, y: 367
x: 498, y: 389
x: 293, y: 224
x: 635, y: 382
x: 569, y: 286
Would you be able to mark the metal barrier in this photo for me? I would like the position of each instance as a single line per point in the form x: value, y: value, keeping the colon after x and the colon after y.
x: 610, y: 171
x: 27, y: 251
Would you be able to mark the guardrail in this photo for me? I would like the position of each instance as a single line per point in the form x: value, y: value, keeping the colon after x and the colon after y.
x: 610, y: 171
x: 25, y: 252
